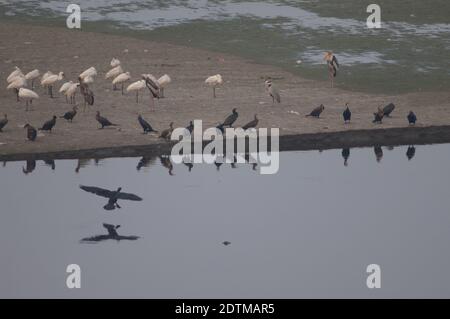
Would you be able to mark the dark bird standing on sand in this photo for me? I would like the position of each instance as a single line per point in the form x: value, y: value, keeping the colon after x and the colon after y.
x: 103, y: 121
x: 167, y: 132
x: 31, y: 132
x: 388, y: 109
x: 230, y: 119
x: 273, y: 92
x: 3, y: 122
x: 112, y: 234
x: 113, y: 196
x: 317, y: 111
x: 410, y: 152
x: 48, y: 126
x: 378, y: 116
x: 412, y: 118
x: 345, y: 155
x: 190, y: 127
x: 68, y: 116
x: 347, y: 115
x: 251, y: 124
x: 145, y: 125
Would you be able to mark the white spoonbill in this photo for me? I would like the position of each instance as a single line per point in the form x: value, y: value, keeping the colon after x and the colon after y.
x: 88, y: 79
x: 88, y: 72
x: 14, y: 74
x: 163, y: 82
x: 51, y: 80
x: 136, y: 86
x: 64, y: 88
x: 28, y: 95
x: 214, y: 81
x: 44, y: 76
x: 115, y: 62
x: 19, y: 82
x: 121, y: 79
x: 113, y: 73
x: 31, y: 76
x: 70, y: 92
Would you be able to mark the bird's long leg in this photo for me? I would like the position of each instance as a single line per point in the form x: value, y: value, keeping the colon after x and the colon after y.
x: 17, y: 94
x: 214, y: 91
x: 162, y: 92
x: 114, y: 87
x: 32, y: 84
x: 137, y: 96
x: 122, y: 88
x: 51, y: 91
x: 152, y: 101
x: 26, y: 107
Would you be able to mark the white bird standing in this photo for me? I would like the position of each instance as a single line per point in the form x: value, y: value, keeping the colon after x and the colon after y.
x: 163, y: 82
x: 113, y: 73
x: 91, y: 72
x: 44, y: 76
x: 32, y: 75
x: 51, y: 80
x: 64, y: 88
x: 28, y: 95
x: 121, y: 79
x: 17, y: 83
x: 13, y: 74
x: 115, y: 62
x: 71, y: 91
x: 214, y: 81
x: 88, y: 79
x: 136, y: 86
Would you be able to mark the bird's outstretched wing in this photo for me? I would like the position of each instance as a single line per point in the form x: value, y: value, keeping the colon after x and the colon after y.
x: 97, y: 191
x: 129, y: 196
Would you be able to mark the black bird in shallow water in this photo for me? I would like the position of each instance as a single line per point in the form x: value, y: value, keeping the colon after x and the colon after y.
x: 317, y: 111
x: 145, y: 125
x: 388, y: 109
x: 103, y: 121
x: 112, y: 234
x: 3, y: 122
x: 69, y: 116
x: 378, y: 153
x: 345, y: 155
x: 31, y: 132
x: 48, y: 126
x: 251, y: 124
x: 412, y: 118
x: 347, y: 115
x: 113, y: 196
x: 410, y: 152
x: 230, y: 119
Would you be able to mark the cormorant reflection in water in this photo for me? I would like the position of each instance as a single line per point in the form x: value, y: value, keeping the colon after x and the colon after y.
x: 113, y: 196
x: 29, y: 168
x: 345, y: 155
x: 410, y: 152
x: 50, y: 163
x: 112, y: 234
x: 378, y: 153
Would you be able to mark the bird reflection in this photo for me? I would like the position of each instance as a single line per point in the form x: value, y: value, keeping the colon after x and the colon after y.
x: 165, y: 161
x: 378, y: 153
x: 145, y: 162
x: 410, y: 152
x: 112, y: 234
x: 345, y: 155
x: 29, y: 168
x: 113, y: 196
x: 50, y: 163
x: 82, y: 163
x: 188, y: 163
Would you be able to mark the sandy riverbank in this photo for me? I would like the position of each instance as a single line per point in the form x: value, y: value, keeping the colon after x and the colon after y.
x: 187, y: 97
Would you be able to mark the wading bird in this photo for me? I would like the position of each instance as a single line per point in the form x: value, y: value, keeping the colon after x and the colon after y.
x: 167, y: 132
x: 251, y: 124
x: 28, y: 96
x: 64, y: 88
x: 272, y: 91
x: 121, y: 79
x: 31, y: 132
x: 333, y: 66
x: 153, y: 86
x: 230, y: 119
x: 115, y: 62
x: 71, y: 91
x: 104, y: 122
x: 32, y: 75
x: 91, y: 72
x: 17, y: 83
x: 145, y: 125
x: 69, y: 116
x: 48, y: 126
x: 347, y: 115
x: 317, y: 111
x: 412, y: 118
x: 114, y: 72
x: 136, y: 86
x: 13, y: 74
x: 113, y: 196
x: 163, y: 82
x: 112, y: 235
x: 50, y: 80
x: 214, y: 81
x: 3, y: 122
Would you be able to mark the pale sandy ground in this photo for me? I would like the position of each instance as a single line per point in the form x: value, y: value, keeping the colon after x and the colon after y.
x: 187, y: 97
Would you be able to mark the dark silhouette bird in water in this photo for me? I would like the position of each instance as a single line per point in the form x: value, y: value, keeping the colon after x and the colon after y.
x: 30, y: 166
x: 165, y: 161
x: 230, y: 119
x: 378, y: 116
x: 317, y: 111
x: 378, y: 153
x: 3, y: 122
x: 345, y: 155
x: 410, y: 152
x: 31, y: 132
x: 145, y: 125
x: 388, y: 109
x: 104, y: 122
x: 50, y: 163
x: 48, y: 126
x: 412, y: 118
x: 347, y: 115
x: 273, y: 91
x: 251, y: 124
x: 167, y: 132
x: 112, y: 234
x: 189, y: 165
x: 226, y: 243
x: 69, y: 116
x: 190, y: 127
x: 145, y: 161
x: 113, y: 196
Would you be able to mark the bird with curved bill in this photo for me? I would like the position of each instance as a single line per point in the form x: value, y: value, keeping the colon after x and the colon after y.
x: 112, y: 196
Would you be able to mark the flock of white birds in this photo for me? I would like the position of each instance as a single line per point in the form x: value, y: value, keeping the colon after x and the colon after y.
x: 18, y: 81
